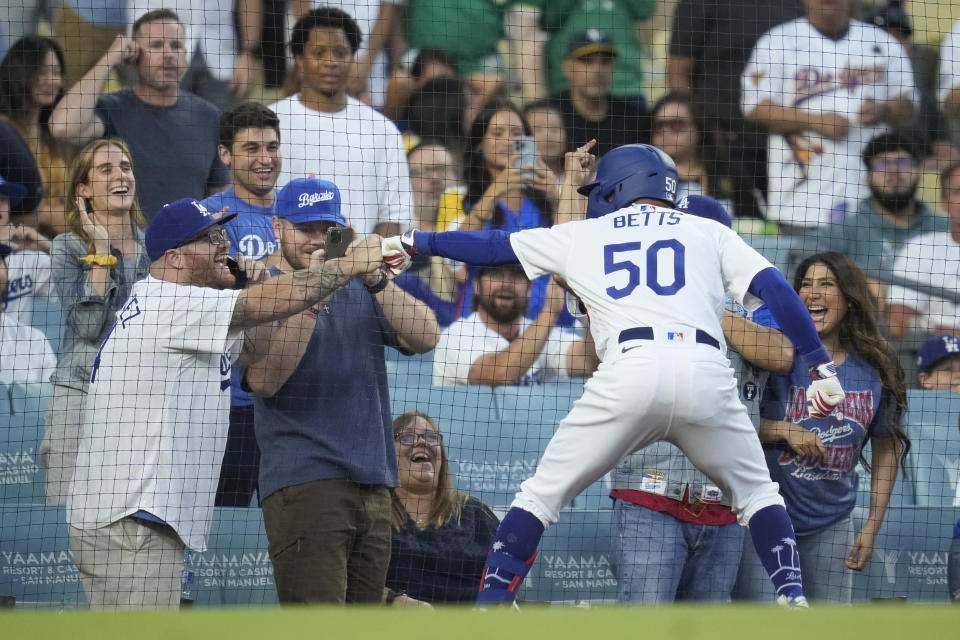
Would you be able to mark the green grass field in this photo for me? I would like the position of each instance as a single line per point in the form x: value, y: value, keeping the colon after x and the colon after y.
x: 739, y: 622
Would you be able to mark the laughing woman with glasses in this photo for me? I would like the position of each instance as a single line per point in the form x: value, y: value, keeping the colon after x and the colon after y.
x: 440, y: 536
x: 94, y: 266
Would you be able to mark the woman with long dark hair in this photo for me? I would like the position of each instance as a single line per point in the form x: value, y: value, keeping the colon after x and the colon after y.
x: 503, y: 196
x: 30, y: 86
x: 94, y: 267
x: 814, y: 459
x: 500, y: 195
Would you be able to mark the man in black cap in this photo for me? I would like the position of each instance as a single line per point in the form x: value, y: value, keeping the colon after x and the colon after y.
x: 589, y: 110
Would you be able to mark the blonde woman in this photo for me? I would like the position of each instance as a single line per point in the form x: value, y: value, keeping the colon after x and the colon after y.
x: 94, y: 266
x: 440, y: 535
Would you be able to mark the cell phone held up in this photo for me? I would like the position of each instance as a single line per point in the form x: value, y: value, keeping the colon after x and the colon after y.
x: 239, y: 275
x: 338, y: 239
x: 525, y: 152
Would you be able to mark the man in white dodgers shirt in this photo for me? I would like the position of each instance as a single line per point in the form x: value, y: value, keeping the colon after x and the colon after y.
x: 824, y: 85
x: 155, y: 423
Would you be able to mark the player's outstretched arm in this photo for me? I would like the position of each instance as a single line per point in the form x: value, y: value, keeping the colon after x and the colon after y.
x: 487, y: 248
x: 291, y: 293
x: 790, y: 313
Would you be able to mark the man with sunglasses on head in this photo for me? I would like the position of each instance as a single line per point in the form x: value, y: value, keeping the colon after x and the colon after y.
x: 155, y: 422
x: 322, y: 416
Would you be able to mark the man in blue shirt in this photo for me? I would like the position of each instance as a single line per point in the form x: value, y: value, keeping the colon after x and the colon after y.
x: 323, y: 417
x: 249, y: 135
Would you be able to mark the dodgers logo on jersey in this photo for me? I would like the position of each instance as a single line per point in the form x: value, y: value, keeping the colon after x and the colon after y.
x: 18, y: 288
x: 255, y: 247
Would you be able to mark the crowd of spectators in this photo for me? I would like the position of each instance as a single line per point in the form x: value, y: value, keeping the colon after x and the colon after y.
x: 405, y: 114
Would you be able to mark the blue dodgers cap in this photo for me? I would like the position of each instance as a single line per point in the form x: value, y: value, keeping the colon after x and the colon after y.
x: 309, y: 200
x: 705, y: 207
x: 936, y: 349
x: 5, y: 251
x: 15, y: 191
x: 178, y: 221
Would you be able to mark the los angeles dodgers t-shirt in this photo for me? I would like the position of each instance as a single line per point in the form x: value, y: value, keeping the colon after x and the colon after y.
x: 819, y: 493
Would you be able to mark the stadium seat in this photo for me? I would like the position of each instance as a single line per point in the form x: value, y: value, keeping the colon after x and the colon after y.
x: 934, y: 458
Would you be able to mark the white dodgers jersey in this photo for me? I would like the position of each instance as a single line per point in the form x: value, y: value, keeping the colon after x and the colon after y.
x: 645, y: 266
x: 156, y: 416
x: 812, y: 178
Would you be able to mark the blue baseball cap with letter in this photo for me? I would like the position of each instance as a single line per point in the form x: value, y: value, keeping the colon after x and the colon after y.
x: 936, y: 349
x: 309, y: 200
x: 15, y: 191
x: 178, y: 221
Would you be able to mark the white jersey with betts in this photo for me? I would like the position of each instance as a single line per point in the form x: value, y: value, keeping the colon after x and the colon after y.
x: 646, y: 266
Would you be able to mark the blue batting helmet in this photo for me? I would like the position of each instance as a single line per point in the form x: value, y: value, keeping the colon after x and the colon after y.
x: 627, y: 173
x: 705, y: 207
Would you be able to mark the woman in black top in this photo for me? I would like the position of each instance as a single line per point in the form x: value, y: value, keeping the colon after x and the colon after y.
x: 440, y: 536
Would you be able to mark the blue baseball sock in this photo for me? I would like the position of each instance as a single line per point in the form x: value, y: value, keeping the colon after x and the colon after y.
x: 511, y: 556
x: 776, y: 544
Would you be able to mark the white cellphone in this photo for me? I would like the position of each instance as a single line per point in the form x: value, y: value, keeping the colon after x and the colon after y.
x: 525, y: 151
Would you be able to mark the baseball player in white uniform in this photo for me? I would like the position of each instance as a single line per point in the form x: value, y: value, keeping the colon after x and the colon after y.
x: 156, y: 416
x: 653, y: 281
x: 826, y: 85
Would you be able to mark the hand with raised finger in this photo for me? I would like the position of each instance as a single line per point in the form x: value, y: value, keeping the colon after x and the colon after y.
x: 578, y: 165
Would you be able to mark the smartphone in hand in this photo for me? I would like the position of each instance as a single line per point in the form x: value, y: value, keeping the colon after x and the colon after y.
x: 525, y: 152
x: 239, y: 275
x: 338, y: 239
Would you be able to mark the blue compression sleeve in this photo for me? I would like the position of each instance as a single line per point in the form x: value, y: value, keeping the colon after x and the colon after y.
x: 787, y: 309
x: 473, y: 247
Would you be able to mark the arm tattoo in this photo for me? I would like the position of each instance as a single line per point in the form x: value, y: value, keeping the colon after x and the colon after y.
x: 320, y: 284
x: 308, y: 287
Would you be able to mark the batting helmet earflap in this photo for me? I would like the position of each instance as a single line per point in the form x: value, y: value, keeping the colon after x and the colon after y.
x: 627, y: 173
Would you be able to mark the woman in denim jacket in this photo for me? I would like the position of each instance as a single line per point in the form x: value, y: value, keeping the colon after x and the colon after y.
x: 94, y: 267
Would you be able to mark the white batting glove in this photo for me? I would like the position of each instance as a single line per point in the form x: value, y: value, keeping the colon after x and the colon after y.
x: 398, y: 252
x: 825, y: 391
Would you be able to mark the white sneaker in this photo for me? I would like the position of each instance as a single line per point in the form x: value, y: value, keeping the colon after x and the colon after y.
x: 796, y: 602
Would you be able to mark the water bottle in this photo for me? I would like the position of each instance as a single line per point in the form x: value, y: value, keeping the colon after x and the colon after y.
x: 186, y: 581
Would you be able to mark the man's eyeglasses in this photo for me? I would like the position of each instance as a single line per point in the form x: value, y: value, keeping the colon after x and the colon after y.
x: 673, y: 124
x: 898, y: 164
x: 215, y: 236
x: 409, y: 438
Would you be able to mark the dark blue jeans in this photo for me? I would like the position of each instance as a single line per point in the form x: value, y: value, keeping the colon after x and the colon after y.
x: 661, y: 559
